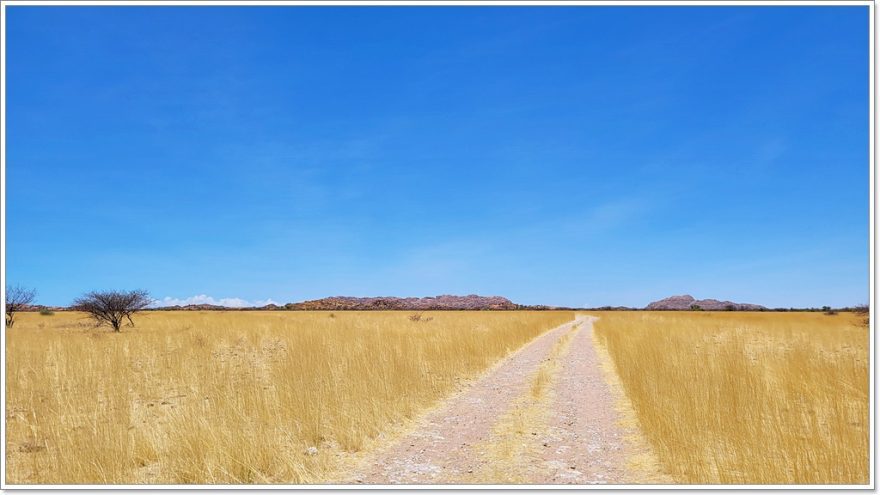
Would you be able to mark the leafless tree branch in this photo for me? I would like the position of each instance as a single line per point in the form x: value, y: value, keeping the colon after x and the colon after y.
x: 17, y: 298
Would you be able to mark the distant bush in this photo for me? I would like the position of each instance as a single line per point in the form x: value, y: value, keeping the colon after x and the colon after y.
x: 696, y: 307
x: 46, y: 312
x: 419, y: 317
x: 828, y: 311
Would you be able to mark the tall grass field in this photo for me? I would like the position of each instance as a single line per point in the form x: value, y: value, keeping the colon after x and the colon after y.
x: 747, y: 398
x: 233, y: 397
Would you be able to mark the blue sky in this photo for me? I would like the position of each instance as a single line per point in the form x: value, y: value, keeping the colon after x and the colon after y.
x: 571, y: 156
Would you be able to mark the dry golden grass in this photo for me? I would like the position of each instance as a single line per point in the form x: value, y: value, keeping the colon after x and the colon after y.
x: 747, y: 398
x: 232, y: 397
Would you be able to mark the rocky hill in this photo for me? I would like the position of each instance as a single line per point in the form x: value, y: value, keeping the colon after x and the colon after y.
x: 471, y: 302
x: 195, y: 307
x: 687, y: 302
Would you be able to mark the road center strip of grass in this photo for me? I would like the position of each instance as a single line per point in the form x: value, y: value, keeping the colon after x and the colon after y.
x: 512, y: 453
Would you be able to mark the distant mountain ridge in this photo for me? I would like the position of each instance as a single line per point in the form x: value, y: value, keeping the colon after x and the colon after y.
x: 198, y: 307
x: 687, y: 302
x: 471, y: 302
x: 347, y: 303
x: 444, y: 302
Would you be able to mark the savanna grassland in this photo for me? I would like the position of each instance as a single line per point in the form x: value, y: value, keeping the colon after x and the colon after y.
x: 747, y: 398
x: 233, y: 397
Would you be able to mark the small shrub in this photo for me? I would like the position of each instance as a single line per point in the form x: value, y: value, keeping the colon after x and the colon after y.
x: 46, y: 312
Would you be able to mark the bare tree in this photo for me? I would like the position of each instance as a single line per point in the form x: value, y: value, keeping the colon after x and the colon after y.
x: 17, y: 298
x: 113, y: 307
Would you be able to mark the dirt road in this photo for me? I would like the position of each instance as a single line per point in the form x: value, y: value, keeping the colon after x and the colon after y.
x: 551, y: 413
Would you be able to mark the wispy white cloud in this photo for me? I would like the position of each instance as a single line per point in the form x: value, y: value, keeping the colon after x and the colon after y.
x: 599, y: 218
x: 445, y: 261
x: 770, y: 151
x: 230, y: 302
x: 616, y: 212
